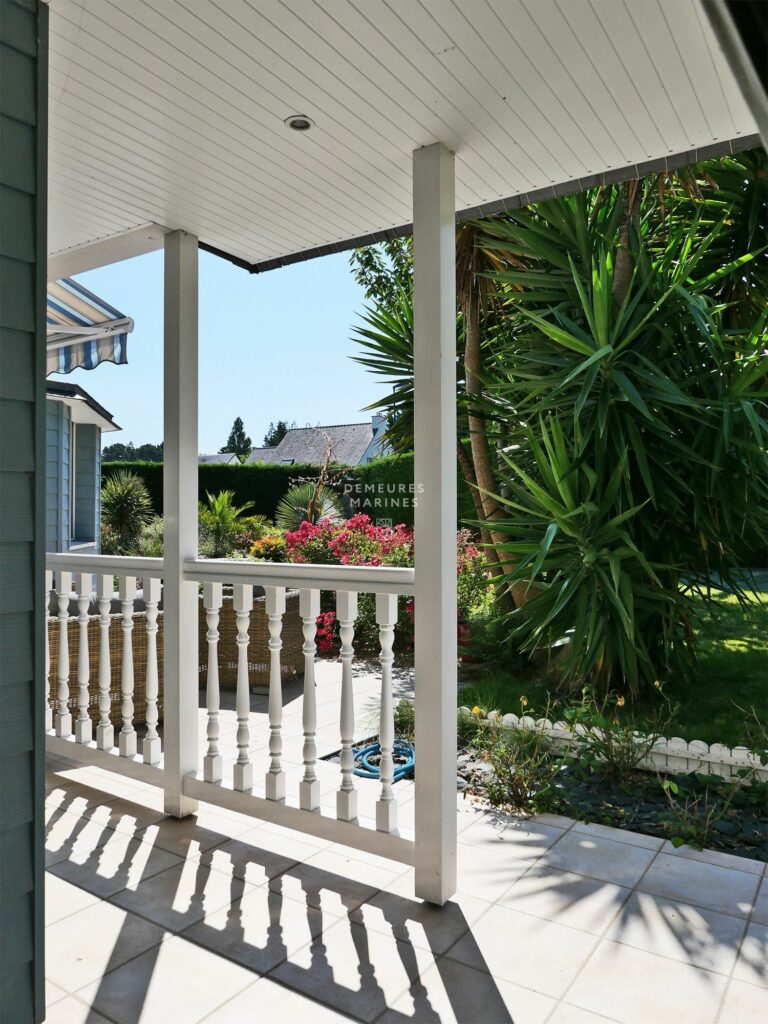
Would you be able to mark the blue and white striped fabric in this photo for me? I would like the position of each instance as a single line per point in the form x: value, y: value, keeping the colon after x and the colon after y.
x: 83, y: 330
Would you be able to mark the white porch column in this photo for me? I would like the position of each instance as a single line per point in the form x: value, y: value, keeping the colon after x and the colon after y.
x: 180, y: 651
x: 434, y: 329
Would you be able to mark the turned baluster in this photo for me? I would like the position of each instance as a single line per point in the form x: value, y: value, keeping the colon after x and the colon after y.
x: 105, y: 732
x: 386, y: 806
x: 151, y: 745
x: 63, y: 716
x: 48, y: 718
x: 212, y: 601
x: 275, y: 781
x: 83, y: 728
x: 243, y: 771
x: 309, y: 789
x: 127, y: 738
x: 346, y: 613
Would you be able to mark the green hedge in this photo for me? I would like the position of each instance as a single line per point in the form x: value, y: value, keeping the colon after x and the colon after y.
x: 388, y: 481
x: 261, y: 486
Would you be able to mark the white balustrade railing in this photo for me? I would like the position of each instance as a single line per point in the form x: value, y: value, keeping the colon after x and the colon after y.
x: 99, y: 591
x: 103, y: 589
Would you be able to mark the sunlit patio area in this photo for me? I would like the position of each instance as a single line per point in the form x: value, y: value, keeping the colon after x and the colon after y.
x: 219, y: 917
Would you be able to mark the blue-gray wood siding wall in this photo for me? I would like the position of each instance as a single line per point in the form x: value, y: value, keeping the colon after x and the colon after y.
x: 62, y: 530
x: 58, y: 430
x: 23, y: 159
x: 87, y: 482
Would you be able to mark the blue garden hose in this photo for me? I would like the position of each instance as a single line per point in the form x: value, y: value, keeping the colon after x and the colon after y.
x: 366, y: 770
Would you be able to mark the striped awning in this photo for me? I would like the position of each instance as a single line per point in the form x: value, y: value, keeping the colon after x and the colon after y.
x: 83, y: 330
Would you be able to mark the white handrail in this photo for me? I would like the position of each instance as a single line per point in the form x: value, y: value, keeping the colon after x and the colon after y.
x: 114, y: 565
x: 363, y: 579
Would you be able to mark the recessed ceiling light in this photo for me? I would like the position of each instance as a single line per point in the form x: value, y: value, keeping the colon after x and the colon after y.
x: 300, y: 122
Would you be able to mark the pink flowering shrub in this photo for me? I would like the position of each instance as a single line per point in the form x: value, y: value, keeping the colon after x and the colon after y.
x: 327, y: 633
x: 359, y: 541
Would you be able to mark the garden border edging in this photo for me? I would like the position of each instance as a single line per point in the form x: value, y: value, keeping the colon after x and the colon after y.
x: 673, y: 755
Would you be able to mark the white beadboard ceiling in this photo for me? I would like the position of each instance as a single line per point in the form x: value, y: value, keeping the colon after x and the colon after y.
x: 171, y: 111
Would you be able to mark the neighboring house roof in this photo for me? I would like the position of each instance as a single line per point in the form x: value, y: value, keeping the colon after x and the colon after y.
x: 219, y: 459
x: 350, y: 444
x: 85, y: 408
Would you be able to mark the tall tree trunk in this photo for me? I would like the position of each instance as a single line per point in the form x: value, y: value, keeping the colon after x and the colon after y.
x: 468, y: 473
x: 622, y: 275
x: 478, y: 440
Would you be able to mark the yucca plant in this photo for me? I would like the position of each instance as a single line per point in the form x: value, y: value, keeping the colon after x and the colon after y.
x: 125, y: 509
x: 638, y: 427
x: 308, y: 502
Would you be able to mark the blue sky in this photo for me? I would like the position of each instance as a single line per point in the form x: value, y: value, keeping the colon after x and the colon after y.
x: 272, y: 346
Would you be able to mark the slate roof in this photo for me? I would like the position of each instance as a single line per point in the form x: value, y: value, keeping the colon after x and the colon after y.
x: 349, y: 443
x: 220, y: 459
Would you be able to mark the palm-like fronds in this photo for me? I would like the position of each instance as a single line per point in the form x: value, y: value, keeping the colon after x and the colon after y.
x: 308, y: 502
x: 651, y: 401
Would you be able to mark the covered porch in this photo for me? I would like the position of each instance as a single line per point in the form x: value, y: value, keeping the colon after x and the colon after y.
x: 267, y: 134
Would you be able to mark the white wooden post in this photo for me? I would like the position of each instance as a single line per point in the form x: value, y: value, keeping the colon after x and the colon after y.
x: 180, y: 654
x: 434, y: 309
x: 83, y: 727
x: 346, y: 613
x: 309, y: 789
x: 150, y: 747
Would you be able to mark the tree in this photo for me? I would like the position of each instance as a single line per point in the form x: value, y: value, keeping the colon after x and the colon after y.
x: 617, y: 388
x: 238, y: 442
x: 383, y: 270
x: 120, y: 452
x: 637, y: 471
x: 149, y: 452
x: 276, y: 432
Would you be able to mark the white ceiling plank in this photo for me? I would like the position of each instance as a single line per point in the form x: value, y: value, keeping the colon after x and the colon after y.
x: 141, y: 125
x: 172, y: 112
x: 240, y: 81
x: 296, y: 156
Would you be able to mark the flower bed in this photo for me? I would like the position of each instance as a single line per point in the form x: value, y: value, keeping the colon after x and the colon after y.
x: 359, y: 541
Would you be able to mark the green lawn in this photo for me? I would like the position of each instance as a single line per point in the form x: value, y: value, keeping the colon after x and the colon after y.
x: 732, y: 672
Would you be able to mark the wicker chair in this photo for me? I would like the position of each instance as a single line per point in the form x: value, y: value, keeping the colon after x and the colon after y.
x: 139, y: 644
x: 291, y: 655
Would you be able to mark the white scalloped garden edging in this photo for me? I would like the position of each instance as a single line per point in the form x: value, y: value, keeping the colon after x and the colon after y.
x: 672, y: 755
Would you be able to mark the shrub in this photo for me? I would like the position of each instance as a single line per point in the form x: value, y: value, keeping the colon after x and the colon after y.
x: 219, y: 524
x: 150, y: 542
x: 524, y: 768
x: 605, y: 738
x: 270, y: 547
x: 125, y: 509
x: 472, y: 575
x: 358, y: 541
x: 249, y: 529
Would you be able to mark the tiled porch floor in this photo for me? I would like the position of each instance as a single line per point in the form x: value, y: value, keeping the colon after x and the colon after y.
x: 221, y: 918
